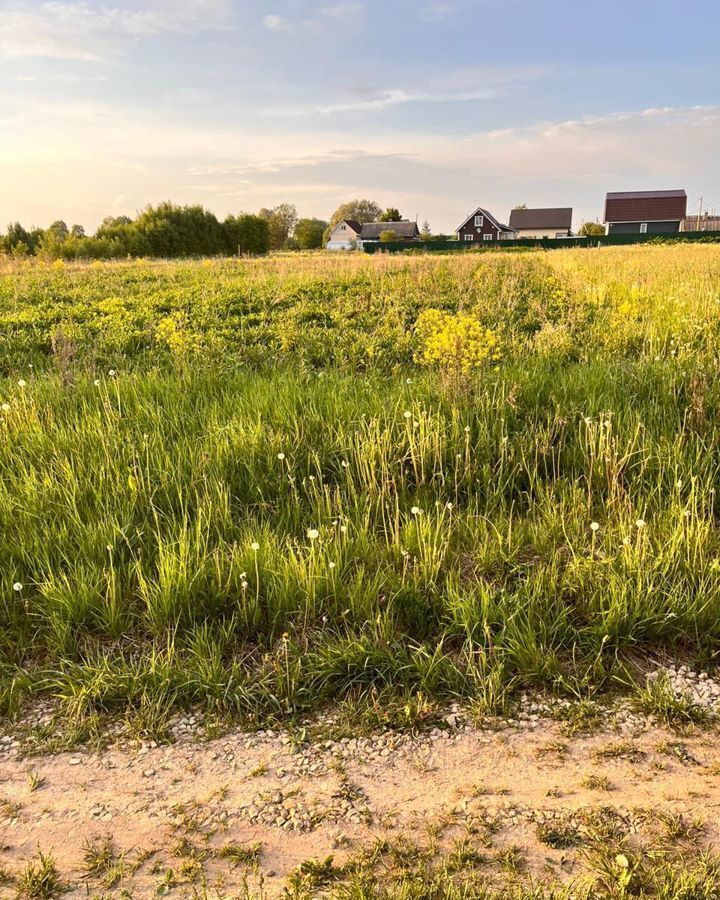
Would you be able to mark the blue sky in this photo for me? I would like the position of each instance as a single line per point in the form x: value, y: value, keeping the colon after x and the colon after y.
x: 434, y: 106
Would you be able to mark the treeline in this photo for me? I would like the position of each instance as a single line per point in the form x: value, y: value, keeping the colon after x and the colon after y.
x: 172, y: 231
x: 169, y: 231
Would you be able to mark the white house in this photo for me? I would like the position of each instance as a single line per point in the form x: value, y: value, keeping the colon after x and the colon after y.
x: 345, y: 235
x: 542, y: 223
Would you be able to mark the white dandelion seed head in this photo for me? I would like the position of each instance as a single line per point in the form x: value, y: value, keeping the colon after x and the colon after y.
x: 448, y: 505
x: 626, y: 541
x: 255, y: 546
x: 407, y: 414
x: 313, y: 534
x: 594, y: 526
x: 281, y: 456
x: 345, y: 464
x: 21, y: 382
x: 17, y: 587
x: 112, y: 373
x: 5, y: 407
x: 97, y: 382
x: 415, y: 510
x: 467, y: 429
x: 640, y: 523
x: 331, y: 565
x: 408, y: 381
x: 243, y: 584
x: 343, y: 528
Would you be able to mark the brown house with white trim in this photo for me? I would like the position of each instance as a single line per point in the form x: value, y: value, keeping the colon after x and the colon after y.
x: 645, y: 212
x: 482, y: 227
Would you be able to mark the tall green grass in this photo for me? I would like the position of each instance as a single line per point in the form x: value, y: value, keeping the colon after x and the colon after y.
x: 267, y: 542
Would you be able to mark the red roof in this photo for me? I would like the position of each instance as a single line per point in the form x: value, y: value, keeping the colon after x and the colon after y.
x: 645, y: 206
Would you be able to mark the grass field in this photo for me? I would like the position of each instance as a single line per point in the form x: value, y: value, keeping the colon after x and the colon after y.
x: 265, y: 486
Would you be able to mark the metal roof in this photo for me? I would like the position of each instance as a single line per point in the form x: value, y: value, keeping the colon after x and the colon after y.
x: 644, y: 195
x: 373, y: 230
x: 557, y: 217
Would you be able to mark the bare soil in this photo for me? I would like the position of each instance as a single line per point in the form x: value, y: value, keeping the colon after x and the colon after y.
x: 175, y: 807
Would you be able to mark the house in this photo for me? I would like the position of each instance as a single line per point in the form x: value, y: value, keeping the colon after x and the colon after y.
x: 701, y: 222
x: 542, y: 223
x: 404, y: 231
x: 482, y: 226
x: 645, y: 212
x: 344, y: 235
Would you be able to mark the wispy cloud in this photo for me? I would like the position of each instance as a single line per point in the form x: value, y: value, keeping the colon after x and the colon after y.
x: 345, y: 14
x: 446, y: 12
x: 384, y: 100
x: 447, y: 87
x: 88, y: 31
x: 80, y: 156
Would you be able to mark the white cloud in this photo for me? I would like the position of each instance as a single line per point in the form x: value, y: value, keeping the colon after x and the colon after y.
x: 88, y: 31
x: 445, y: 12
x: 344, y: 14
x: 274, y: 23
x: 447, y: 87
x: 79, y: 157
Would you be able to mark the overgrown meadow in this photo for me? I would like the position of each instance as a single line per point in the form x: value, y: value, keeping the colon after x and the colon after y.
x: 269, y: 486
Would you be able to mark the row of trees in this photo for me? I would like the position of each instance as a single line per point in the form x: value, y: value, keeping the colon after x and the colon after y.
x: 174, y: 231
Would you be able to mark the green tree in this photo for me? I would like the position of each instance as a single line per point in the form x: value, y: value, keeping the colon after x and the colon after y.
x: 391, y: 214
x: 387, y: 236
x: 59, y: 230
x: 591, y: 229
x: 281, y: 221
x: 20, y: 242
x: 309, y: 233
x: 246, y: 234
x: 425, y: 232
x: 173, y: 231
x: 520, y: 206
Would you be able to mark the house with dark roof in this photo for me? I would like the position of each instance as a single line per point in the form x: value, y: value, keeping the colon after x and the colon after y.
x: 344, y: 235
x: 401, y: 231
x: 542, y: 223
x: 645, y: 212
x: 481, y: 226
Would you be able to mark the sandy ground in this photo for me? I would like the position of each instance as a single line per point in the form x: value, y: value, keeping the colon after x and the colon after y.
x: 149, y: 800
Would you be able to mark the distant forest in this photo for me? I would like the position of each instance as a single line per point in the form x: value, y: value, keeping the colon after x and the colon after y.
x: 172, y: 231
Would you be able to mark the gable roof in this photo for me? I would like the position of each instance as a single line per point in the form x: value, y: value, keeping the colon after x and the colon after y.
x: 371, y: 231
x: 639, y: 206
x: 644, y: 195
x: 356, y: 226
x: 555, y: 217
x: 483, y: 212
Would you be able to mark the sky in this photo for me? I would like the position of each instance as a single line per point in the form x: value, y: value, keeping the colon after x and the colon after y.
x: 433, y: 106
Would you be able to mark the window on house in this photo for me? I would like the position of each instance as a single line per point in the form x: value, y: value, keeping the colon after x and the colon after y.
x: 479, y: 221
x: 643, y: 228
x: 342, y: 227
x: 487, y: 237
x: 468, y: 237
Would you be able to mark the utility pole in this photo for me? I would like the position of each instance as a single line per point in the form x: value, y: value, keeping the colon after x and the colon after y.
x: 699, y: 212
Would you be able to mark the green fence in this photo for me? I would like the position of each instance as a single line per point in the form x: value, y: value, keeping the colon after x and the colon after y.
x: 602, y: 240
